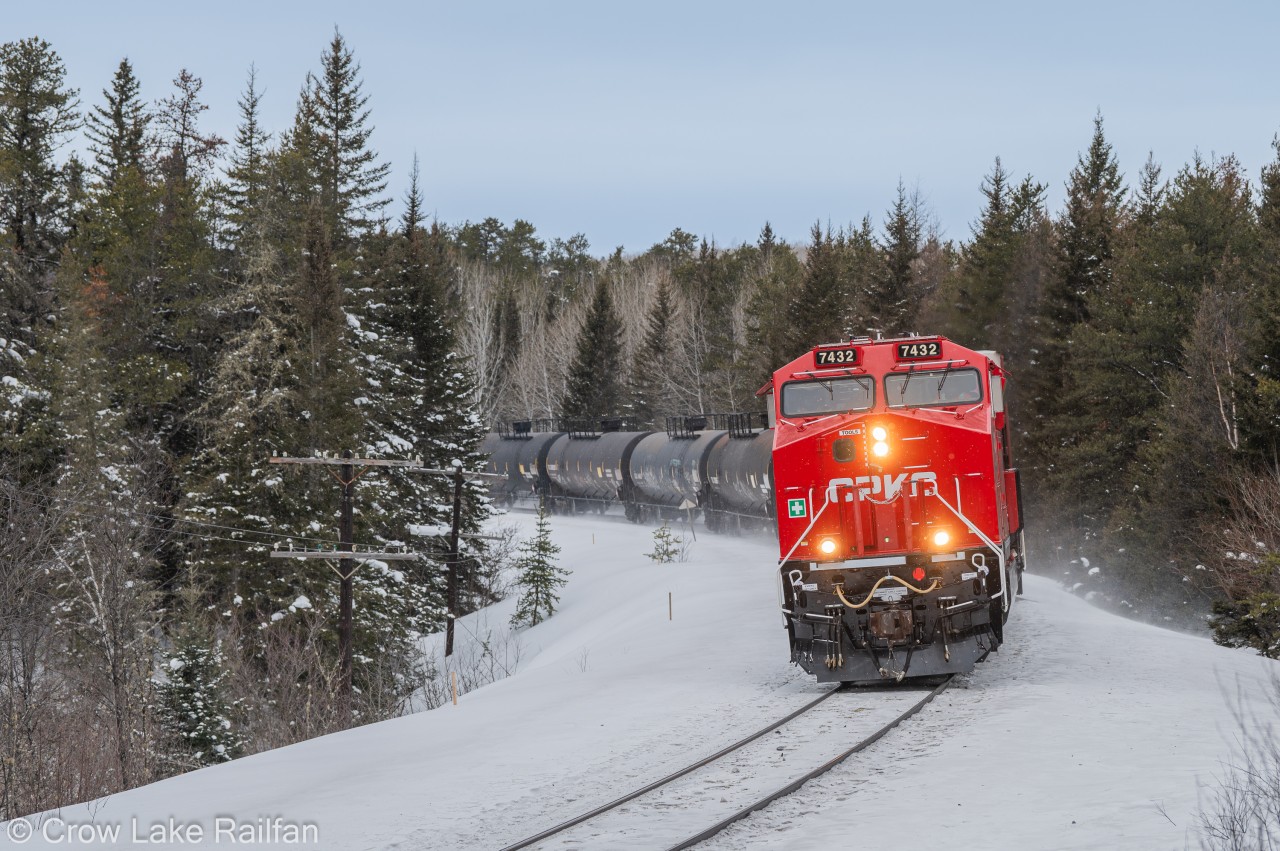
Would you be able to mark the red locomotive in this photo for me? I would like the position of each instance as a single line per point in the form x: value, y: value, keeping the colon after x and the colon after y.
x: 899, y: 524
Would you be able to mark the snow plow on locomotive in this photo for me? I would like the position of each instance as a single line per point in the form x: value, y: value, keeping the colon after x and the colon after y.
x: 899, y: 525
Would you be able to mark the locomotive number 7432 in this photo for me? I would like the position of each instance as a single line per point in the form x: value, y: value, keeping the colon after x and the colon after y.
x: 919, y: 351
x: 835, y: 357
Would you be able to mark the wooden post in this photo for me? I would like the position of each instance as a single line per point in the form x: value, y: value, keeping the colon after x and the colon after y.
x: 345, y: 552
x: 459, y: 477
x: 453, y: 684
x: 670, y: 611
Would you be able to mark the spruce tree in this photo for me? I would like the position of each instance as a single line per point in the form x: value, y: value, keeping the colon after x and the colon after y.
x: 117, y: 129
x: 1088, y: 237
x: 1131, y: 470
x: 332, y: 129
x: 891, y: 305
x: 816, y: 311
x: 248, y: 173
x: 595, y: 379
x: 978, y: 301
x: 865, y: 308
x: 540, y: 577
x: 194, y: 709
x: 1088, y: 233
x: 776, y: 277
x: 424, y: 406
x: 1260, y: 386
x: 1197, y: 292
x: 651, y: 369
x: 667, y: 546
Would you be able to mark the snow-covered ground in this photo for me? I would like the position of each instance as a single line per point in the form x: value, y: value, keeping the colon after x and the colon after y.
x: 1086, y: 731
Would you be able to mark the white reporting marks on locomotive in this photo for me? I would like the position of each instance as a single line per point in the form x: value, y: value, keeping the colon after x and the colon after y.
x: 888, y: 485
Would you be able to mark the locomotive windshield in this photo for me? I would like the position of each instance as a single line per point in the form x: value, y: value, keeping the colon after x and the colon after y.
x: 837, y: 395
x: 933, y: 388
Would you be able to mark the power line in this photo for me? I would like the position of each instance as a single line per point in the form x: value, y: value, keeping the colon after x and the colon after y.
x: 148, y: 527
x: 49, y: 499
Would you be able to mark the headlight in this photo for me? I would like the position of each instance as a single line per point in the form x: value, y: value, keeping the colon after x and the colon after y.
x: 828, y: 546
x: 879, y: 433
x: 941, y: 538
x: 880, y: 449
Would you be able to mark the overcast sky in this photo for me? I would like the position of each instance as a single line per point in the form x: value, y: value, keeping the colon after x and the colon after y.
x: 625, y: 120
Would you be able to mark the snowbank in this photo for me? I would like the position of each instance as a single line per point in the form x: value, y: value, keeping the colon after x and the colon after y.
x: 1076, y: 736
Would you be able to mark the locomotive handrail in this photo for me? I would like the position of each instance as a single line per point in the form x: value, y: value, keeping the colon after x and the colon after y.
x: 999, y: 551
x: 918, y: 365
x: 844, y: 370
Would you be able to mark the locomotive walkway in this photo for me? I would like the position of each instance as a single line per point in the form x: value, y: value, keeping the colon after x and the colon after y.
x: 742, y: 778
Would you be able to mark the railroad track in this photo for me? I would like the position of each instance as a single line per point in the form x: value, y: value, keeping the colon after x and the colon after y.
x: 744, y: 777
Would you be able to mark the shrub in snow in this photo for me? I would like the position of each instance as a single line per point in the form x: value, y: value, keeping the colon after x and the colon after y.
x: 540, y: 576
x: 667, y: 546
x: 1242, y: 808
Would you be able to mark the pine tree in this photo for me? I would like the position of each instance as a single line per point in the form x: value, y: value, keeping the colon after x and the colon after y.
x: 189, y: 277
x: 117, y: 129
x: 713, y: 373
x: 540, y: 576
x: 37, y: 113
x: 1197, y: 291
x: 595, y: 380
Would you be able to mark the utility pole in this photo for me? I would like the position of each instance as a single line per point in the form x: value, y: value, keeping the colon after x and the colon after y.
x: 346, y: 554
x: 459, y: 477
x: 454, y: 556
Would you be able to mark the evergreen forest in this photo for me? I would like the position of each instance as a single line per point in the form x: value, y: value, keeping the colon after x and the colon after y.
x: 177, y: 307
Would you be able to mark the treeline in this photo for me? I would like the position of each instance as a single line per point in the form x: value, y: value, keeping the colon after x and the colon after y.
x: 177, y: 308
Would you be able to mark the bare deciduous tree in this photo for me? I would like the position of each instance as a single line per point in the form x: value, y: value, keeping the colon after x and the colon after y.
x: 110, y: 614
x: 479, y: 338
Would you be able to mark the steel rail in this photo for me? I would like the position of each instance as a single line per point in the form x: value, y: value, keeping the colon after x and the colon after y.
x: 704, y: 762
x: 817, y: 772
x: 657, y: 784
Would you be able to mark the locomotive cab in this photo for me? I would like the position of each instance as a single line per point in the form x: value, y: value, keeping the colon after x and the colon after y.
x: 897, y: 502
